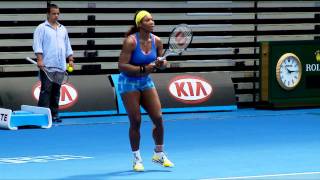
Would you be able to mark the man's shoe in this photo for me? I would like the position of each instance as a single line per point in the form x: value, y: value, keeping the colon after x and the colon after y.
x: 56, y: 120
x: 162, y: 159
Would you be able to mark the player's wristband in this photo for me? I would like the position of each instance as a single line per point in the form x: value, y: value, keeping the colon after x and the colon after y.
x: 142, y: 69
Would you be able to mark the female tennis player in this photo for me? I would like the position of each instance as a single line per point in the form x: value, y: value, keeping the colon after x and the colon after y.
x: 139, y: 57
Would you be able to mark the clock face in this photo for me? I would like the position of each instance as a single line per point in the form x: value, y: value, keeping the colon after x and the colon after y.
x: 288, y: 71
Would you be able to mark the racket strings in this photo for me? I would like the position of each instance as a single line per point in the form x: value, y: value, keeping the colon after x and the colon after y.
x: 50, y: 75
x: 53, y: 75
x: 62, y: 77
x: 185, y: 38
x: 181, y: 33
x: 179, y: 39
x: 57, y: 77
x: 65, y: 78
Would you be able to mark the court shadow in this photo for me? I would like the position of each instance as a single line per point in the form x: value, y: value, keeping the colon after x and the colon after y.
x: 115, y: 174
x: 29, y: 127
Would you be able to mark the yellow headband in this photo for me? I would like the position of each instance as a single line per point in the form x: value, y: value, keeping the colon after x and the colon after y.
x: 141, y: 15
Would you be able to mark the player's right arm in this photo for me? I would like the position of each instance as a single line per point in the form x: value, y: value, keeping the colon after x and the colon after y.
x: 124, y: 65
x: 125, y: 56
x: 39, y: 60
x: 38, y: 44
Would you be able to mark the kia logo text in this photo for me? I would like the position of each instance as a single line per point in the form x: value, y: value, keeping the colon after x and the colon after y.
x: 190, y: 89
x: 68, y: 95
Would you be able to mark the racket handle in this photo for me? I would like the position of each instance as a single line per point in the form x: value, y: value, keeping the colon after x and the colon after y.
x: 162, y: 58
x: 31, y: 60
x: 166, y: 55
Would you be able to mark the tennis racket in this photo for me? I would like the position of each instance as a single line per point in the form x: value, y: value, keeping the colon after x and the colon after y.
x: 179, y: 40
x: 53, y: 76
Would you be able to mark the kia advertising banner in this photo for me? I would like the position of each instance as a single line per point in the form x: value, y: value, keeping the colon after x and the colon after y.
x: 82, y: 95
x: 187, y: 92
x: 95, y: 95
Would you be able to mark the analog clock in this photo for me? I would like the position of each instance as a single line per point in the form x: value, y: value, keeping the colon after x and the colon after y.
x: 288, y: 71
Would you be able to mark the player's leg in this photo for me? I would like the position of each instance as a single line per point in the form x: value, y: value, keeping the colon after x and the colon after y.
x: 131, y: 101
x: 151, y: 103
x: 54, y: 102
x: 45, y: 91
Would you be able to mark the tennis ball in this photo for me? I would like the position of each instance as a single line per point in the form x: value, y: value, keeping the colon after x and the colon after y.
x: 69, y: 68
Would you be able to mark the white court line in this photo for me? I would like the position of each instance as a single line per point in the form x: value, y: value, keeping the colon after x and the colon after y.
x: 41, y: 159
x: 263, y: 176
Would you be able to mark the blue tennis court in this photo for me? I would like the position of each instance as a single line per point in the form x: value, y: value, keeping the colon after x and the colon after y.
x: 243, y: 144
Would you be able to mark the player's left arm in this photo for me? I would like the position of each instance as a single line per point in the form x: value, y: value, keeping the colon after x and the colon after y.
x: 69, y: 52
x: 71, y: 61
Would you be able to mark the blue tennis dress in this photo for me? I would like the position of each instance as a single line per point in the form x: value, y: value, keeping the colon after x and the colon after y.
x: 127, y: 83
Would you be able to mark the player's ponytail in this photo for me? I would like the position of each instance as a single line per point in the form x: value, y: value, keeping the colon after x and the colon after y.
x: 134, y: 28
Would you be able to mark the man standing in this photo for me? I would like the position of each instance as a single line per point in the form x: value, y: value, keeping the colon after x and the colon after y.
x: 52, y: 47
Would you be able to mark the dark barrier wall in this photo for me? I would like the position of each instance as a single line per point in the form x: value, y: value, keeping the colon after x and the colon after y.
x: 82, y: 93
x: 191, y: 91
x: 95, y: 94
